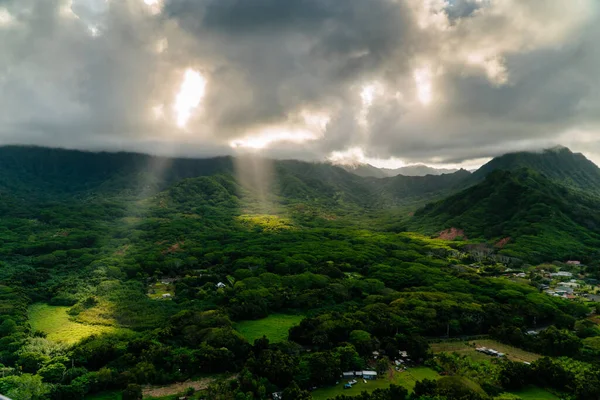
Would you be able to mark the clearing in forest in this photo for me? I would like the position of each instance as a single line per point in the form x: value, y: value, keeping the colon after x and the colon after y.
x: 179, y: 387
x: 407, y: 379
x: 275, y: 327
x: 468, y: 348
x: 161, y: 291
x: 58, y: 326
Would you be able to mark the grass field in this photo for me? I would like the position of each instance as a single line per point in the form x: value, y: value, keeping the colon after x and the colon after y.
x: 408, y: 379
x: 535, y: 393
x: 55, y: 322
x: 468, y: 348
x: 275, y: 327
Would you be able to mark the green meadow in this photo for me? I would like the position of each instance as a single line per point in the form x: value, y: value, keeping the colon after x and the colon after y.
x: 407, y: 378
x: 275, y: 327
x: 56, y: 323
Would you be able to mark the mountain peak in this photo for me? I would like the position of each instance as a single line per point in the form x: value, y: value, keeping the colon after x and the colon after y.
x: 557, y: 149
x: 558, y: 163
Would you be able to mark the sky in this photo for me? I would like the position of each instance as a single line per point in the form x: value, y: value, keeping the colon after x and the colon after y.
x: 389, y: 82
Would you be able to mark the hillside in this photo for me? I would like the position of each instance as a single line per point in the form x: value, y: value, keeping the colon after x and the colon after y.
x: 559, y: 164
x: 541, y: 217
x: 34, y: 174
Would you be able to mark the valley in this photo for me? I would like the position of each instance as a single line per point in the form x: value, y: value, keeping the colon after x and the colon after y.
x: 122, y: 271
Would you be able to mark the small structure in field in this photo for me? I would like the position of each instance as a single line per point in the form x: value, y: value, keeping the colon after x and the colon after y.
x: 370, y: 375
x: 489, y: 352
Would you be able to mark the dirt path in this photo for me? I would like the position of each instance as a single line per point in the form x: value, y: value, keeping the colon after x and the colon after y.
x: 176, y: 388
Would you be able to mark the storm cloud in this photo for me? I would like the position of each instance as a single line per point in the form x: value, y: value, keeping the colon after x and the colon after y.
x: 418, y: 81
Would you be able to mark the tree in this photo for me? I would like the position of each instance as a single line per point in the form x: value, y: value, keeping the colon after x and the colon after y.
x: 293, y: 392
x: 132, y: 392
x: 426, y: 387
x: 361, y: 341
x: 349, y: 358
x: 398, y: 392
x: 383, y: 365
x: 52, y: 373
x: 8, y: 327
x: 30, y: 362
x: 324, y: 368
x: 24, y: 387
x: 514, y: 376
x: 278, y: 367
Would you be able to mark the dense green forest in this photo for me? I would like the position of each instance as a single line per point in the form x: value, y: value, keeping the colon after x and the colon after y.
x: 119, y: 271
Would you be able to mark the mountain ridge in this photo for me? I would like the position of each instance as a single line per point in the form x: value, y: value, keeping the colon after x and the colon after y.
x: 368, y: 170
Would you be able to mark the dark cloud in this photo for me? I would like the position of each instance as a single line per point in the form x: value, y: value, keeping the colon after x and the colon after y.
x: 421, y: 81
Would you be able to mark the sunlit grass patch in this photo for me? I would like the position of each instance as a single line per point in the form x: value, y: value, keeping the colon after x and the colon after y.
x: 275, y: 327
x: 266, y: 222
x: 102, y: 313
x: 57, y: 324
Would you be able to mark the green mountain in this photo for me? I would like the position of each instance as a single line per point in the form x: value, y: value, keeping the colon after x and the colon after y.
x: 33, y: 174
x: 536, y: 216
x: 44, y: 173
x: 558, y: 164
x: 543, y: 201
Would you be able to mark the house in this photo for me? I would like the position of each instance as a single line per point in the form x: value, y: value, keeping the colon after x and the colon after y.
x: 220, y: 285
x: 370, y: 375
x: 562, y: 274
x: 573, y: 262
x: 403, y: 354
x: 571, y: 285
x: 349, y: 374
x: 166, y: 295
x: 375, y: 354
x: 277, y: 395
x: 562, y: 290
x: 521, y: 275
x: 593, y: 297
